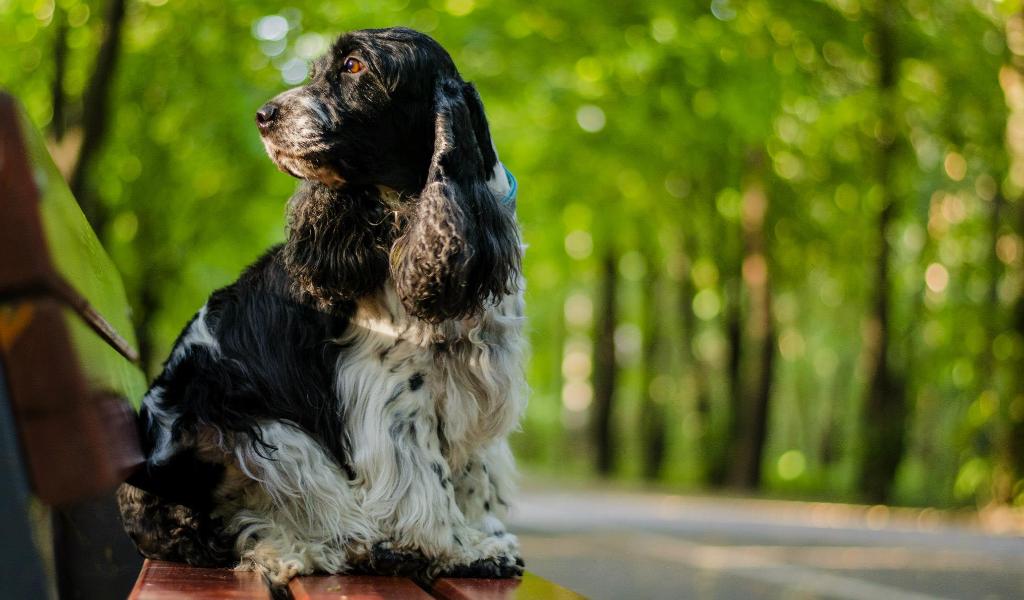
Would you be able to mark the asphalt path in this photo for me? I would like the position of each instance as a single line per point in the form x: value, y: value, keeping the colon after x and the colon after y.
x: 629, y: 545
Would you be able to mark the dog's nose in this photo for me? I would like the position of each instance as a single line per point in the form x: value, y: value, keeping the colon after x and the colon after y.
x: 265, y: 116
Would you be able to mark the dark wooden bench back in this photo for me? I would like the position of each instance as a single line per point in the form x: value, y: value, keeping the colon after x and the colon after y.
x: 67, y: 358
x: 65, y: 329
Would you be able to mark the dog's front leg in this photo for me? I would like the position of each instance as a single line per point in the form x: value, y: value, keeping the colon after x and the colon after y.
x: 483, y: 486
x: 482, y: 489
x: 411, y: 493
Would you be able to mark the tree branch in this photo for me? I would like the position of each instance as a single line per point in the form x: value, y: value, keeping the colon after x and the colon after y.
x: 58, y: 123
x: 95, y: 113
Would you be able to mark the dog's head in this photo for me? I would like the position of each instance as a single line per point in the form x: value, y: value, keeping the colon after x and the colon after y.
x: 387, y: 107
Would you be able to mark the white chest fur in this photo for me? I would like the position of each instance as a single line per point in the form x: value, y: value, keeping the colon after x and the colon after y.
x: 461, y: 381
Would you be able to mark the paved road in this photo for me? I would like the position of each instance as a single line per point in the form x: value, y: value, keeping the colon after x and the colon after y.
x: 617, y: 545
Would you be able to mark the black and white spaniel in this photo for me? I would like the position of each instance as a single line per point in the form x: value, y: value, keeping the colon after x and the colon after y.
x: 344, y: 406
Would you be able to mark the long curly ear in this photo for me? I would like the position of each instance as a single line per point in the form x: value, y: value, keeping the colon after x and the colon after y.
x: 460, y: 245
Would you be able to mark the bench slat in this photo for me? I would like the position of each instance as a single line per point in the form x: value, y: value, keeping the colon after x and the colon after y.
x: 530, y: 587
x: 355, y: 587
x: 161, y: 580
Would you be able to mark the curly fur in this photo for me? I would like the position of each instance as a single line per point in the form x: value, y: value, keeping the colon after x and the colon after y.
x: 344, y: 406
x: 337, y: 243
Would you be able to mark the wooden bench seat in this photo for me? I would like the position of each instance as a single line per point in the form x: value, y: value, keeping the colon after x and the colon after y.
x: 161, y: 580
x: 530, y: 587
x: 361, y: 587
x: 171, y: 581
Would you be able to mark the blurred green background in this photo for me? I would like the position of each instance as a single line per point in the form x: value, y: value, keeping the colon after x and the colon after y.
x: 774, y: 246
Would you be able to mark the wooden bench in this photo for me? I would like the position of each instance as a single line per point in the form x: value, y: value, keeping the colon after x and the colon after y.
x: 68, y: 378
x: 164, y: 581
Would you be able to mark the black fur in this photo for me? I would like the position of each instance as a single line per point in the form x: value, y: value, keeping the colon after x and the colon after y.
x: 257, y: 377
x: 337, y: 243
x: 254, y: 377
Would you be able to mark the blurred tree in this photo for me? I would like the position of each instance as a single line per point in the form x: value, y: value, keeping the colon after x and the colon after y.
x: 885, y: 409
x: 1006, y: 230
x: 653, y: 383
x: 58, y: 122
x: 96, y: 109
x: 748, y: 448
x: 695, y: 370
x: 605, y: 366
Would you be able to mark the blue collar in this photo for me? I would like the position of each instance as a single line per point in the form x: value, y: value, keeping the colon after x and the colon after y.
x: 513, y: 188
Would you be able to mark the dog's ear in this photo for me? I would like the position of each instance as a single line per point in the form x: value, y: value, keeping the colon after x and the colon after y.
x: 460, y: 245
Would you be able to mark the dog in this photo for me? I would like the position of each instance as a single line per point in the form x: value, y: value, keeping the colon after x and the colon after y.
x: 345, y: 405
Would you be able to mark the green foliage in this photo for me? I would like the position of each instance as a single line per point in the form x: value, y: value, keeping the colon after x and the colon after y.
x: 630, y: 126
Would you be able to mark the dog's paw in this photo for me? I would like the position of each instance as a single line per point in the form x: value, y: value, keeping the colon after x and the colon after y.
x: 386, y: 559
x: 498, y: 567
x: 275, y: 571
x: 496, y: 556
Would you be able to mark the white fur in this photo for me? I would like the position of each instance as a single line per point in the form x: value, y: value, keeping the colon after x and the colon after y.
x: 301, y: 514
x: 316, y: 108
x: 197, y: 334
x: 498, y: 183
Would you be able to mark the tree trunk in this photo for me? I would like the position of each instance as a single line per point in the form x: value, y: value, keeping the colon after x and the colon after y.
x: 96, y: 114
x: 1012, y: 441
x: 885, y: 407
x: 734, y: 333
x: 721, y: 456
x: 652, y: 413
x: 752, y: 420
x: 149, y: 304
x: 604, y: 377
x: 58, y: 122
x: 710, y: 446
x: 1004, y: 475
x: 1009, y: 436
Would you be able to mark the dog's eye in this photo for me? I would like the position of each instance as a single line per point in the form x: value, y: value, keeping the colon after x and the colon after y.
x: 353, y: 65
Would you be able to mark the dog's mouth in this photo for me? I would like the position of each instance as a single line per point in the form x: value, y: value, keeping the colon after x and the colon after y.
x: 302, y: 166
x: 282, y: 165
